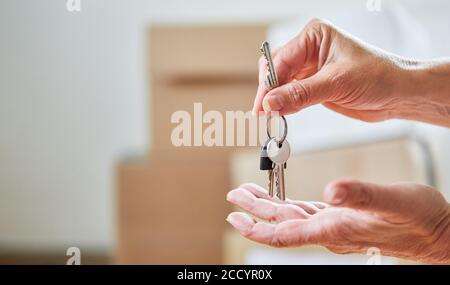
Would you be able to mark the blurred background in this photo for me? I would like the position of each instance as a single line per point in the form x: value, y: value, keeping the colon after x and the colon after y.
x: 85, y: 103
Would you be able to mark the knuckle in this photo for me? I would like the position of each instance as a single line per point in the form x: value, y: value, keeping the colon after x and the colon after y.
x: 297, y: 94
x: 318, y: 24
x: 314, y: 22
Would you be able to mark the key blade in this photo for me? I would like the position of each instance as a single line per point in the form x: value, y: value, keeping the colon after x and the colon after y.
x: 269, y: 78
x: 281, y: 194
x: 270, y: 183
x: 272, y: 76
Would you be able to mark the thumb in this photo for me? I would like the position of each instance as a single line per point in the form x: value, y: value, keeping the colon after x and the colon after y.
x: 366, y: 196
x: 297, y: 95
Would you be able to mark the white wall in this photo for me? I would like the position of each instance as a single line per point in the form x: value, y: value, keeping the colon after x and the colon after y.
x: 73, y: 101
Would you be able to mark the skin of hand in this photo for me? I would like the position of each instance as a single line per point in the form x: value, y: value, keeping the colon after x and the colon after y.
x: 324, y: 65
x: 403, y: 220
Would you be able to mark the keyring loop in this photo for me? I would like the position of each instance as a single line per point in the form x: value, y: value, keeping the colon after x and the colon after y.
x: 285, y: 129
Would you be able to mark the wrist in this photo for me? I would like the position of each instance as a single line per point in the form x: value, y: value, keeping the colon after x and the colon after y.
x: 422, y: 89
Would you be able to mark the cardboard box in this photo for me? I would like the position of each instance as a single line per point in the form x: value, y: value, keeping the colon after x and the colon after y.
x: 171, y: 213
x: 203, y: 51
x: 212, y: 98
x: 214, y: 66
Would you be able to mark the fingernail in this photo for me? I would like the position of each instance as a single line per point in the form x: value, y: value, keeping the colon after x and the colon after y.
x: 233, y: 196
x: 230, y: 220
x: 239, y: 197
x: 240, y: 221
x: 338, y: 196
x: 271, y: 103
x: 229, y: 196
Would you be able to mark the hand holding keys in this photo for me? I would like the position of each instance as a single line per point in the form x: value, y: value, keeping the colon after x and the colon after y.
x: 275, y: 151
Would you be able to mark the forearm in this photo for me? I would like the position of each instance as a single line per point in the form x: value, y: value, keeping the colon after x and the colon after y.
x: 424, y: 89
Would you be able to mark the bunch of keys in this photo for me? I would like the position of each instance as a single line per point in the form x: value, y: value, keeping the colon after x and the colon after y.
x: 275, y: 151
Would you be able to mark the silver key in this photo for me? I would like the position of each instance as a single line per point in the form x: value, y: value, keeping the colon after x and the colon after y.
x: 279, y: 154
x: 271, y: 182
x: 272, y: 79
x: 271, y: 82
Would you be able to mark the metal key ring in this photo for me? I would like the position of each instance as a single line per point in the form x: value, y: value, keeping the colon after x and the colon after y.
x: 285, y: 129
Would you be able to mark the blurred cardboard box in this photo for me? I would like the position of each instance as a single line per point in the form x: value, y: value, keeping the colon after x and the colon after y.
x: 219, y: 98
x: 202, y: 51
x: 171, y: 214
x: 215, y: 66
